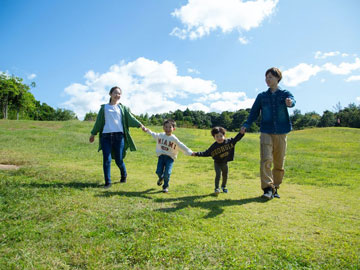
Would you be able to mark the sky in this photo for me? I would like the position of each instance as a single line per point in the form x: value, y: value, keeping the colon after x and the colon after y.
x: 208, y: 55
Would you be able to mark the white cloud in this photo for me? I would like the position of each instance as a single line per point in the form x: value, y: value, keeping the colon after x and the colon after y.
x: 198, y: 107
x: 31, y: 76
x: 192, y: 70
x: 358, y: 99
x: 344, y: 68
x: 353, y: 78
x: 200, y: 17
x: 299, y: 74
x: 227, y: 101
x: 148, y: 86
x: 151, y: 87
x: 243, y: 40
x: 323, y: 55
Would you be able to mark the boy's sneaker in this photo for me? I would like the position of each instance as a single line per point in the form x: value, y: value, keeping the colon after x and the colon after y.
x: 217, y: 191
x: 276, y: 194
x: 123, y: 180
x: 224, y: 189
x: 108, y: 185
x: 160, y: 181
x: 268, y: 193
x: 165, y: 190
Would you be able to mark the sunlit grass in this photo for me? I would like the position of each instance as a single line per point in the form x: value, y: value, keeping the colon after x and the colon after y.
x: 54, y: 215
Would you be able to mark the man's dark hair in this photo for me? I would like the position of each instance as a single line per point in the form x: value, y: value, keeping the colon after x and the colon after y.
x: 275, y: 72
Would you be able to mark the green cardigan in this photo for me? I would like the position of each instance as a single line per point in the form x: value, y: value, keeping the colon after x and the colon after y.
x: 128, y: 120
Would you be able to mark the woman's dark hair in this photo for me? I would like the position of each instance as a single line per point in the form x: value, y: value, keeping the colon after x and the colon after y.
x: 113, y: 89
x: 275, y: 72
x: 217, y: 130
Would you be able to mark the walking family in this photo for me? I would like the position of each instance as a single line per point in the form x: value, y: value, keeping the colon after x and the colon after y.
x: 114, y: 120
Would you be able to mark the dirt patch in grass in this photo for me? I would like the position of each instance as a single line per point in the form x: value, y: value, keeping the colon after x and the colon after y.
x: 8, y: 167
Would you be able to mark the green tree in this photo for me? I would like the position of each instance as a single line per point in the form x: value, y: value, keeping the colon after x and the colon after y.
x: 328, y: 119
x: 90, y: 116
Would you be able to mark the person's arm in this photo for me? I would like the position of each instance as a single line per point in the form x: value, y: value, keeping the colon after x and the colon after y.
x: 184, y: 148
x: 290, y: 100
x: 206, y: 153
x: 254, y: 114
x: 238, y: 137
x: 97, y: 126
x: 131, y: 119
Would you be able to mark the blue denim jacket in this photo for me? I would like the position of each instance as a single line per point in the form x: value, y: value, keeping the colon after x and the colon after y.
x: 274, y: 113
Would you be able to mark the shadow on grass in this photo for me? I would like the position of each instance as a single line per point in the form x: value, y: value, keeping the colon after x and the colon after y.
x: 141, y: 194
x: 216, y: 207
x: 76, y: 185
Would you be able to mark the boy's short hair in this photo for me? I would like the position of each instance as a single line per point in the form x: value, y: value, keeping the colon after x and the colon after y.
x: 170, y: 121
x: 216, y: 130
x: 275, y: 72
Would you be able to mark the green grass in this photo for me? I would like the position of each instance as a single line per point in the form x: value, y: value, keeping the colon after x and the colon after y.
x: 53, y: 215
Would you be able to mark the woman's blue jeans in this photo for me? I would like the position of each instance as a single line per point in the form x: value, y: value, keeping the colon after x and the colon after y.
x: 113, y: 143
x: 164, y: 167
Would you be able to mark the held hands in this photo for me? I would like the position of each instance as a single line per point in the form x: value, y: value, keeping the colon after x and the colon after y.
x: 92, y: 138
x: 145, y: 129
x: 288, y: 102
x: 243, y: 130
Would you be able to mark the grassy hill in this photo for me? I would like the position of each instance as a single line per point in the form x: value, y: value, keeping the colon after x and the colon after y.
x: 54, y: 215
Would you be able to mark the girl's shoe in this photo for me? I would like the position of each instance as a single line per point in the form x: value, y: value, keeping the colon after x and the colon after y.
x: 217, y: 191
x: 165, y: 190
x: 224, y: 189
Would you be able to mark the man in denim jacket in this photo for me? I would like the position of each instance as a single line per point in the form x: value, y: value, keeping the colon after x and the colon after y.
x: 275, y: 124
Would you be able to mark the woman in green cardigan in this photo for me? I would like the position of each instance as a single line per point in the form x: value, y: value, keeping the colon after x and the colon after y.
x: 112, y: 123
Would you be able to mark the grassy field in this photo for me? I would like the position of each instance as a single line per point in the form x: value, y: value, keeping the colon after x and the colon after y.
x: 55, y: 215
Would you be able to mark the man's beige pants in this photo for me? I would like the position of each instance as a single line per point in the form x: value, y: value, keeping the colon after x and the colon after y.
x: 272, y: 152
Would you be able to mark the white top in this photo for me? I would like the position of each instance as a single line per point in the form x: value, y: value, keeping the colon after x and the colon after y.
x: 113, y: 119
x: 169, y: 145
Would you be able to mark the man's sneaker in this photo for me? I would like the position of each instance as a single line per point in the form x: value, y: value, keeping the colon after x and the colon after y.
x: 108, y: 185
x: 276, y: 194
x: 160, y: 181
x: 268, y: 193
x: 123, y: 180
x: 165, y: 190
x: 224, y: 189
x: 217, y: 191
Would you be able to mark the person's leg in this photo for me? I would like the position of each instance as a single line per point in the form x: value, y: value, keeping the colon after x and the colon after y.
x: 160, y: 167
x: 167, y: 172
x: 106, y: 150
x: 280, y: 142
x: 118, y: 148
x: 266, y: 159
x: 217, y: 168
x: 225, y: 171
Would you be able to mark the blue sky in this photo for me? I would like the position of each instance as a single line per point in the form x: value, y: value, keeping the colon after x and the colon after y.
x: 208, y: 55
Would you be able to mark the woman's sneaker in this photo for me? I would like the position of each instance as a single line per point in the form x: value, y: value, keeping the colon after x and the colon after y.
x: 224, y: 189
x: 165, y: 190
x: 217, y: 191
x: 160, y: 181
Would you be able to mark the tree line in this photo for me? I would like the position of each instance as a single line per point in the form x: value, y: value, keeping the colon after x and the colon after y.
x: 232, y: 121
x: 17, y: 102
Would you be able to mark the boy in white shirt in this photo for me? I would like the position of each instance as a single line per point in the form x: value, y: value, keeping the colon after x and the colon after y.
x: 167, y: 148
